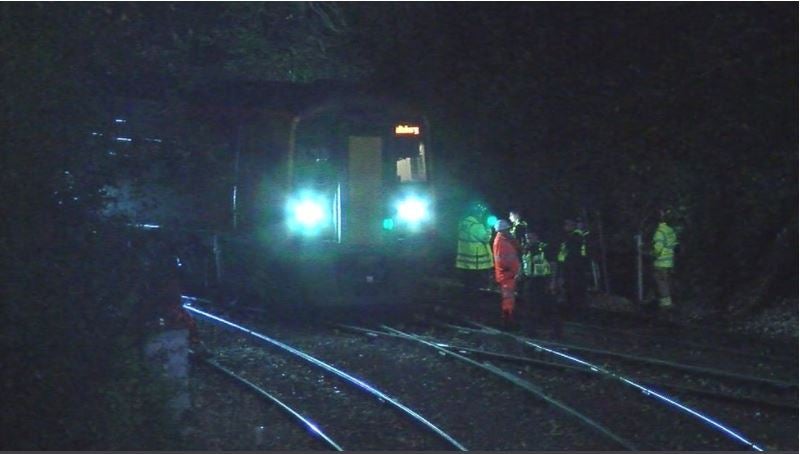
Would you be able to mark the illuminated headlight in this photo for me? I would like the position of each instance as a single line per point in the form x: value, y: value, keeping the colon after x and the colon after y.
x: 308, y: 214
x: 413, y: 210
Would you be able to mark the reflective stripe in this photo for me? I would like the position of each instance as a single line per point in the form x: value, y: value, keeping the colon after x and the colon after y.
x: 541, y: 267
x: 664, y: 242
x: 527, y: 264
x: 583, y: 234
x: 474, y: 263
x: 563, y: 253
x: 473, y: 251
x: 540, y: 270
x: 475, y: 258
x: 516, y: 227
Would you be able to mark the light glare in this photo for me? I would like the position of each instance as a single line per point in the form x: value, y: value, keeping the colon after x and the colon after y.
x: 308, y: 213
x: 412, y: 210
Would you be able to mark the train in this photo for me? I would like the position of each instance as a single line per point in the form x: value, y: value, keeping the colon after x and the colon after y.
x: 315, y: 194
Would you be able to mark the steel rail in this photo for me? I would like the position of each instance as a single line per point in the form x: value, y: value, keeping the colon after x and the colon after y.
x: 196, y: 299
x: 382, y: 397
x: 730, y: 351
x: 679, y: 388
x: 313, y: 428
x: 658, y: 362
x: 538, y: 362
x: 467, y: 350
x: 646, y: 391
x: 525, y: 384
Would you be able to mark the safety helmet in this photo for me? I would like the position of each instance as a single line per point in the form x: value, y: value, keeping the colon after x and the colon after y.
x: 501, y: 225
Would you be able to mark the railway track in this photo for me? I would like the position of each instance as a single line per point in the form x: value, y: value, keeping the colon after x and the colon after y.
x: 595, y: 367
x: 476, y: 403
x: 705, y: 344
x: 697, y: 370
x: 785, y: 404
x: 638, y: 337
x: 290, y: 373
x: 765, y: 377
x: 463, y: 423
x: 549, y: 379
x: 524, y: 384
x: 294, y: 414
x: 642, y: 411
x: 757, y: 380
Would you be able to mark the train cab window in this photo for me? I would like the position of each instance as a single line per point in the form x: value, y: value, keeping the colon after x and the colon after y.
x: 313, y: 154
x: 411, y: 166
x: 315, y: 165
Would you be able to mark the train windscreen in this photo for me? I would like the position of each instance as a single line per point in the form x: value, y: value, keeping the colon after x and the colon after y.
x: 410, y: 160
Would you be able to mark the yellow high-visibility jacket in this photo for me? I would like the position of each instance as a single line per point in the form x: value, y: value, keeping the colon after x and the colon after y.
x: 474, y: 252
x: 541, y: 267
x: 664, y: 242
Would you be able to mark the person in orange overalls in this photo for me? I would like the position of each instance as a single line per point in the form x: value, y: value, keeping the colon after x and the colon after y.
x: 506, y: 269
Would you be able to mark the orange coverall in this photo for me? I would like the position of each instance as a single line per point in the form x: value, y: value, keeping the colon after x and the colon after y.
x: 506, y: 269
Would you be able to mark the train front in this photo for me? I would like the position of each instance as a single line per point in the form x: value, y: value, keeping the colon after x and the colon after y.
x: 360, y: 215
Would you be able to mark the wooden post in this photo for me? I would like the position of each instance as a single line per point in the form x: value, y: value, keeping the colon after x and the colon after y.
x: 217, y: 258
x: 235, y: 192
x: 603, y: 256
x: 639, y: 271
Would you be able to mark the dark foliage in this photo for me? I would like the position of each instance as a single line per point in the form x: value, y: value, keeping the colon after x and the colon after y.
x: 607, y: 108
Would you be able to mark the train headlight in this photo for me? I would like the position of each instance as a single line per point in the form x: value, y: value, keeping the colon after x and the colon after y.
x: 413, y: 210
x: 308, y: 214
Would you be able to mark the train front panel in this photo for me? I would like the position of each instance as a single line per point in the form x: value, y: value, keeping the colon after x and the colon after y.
x: 360, y: 216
